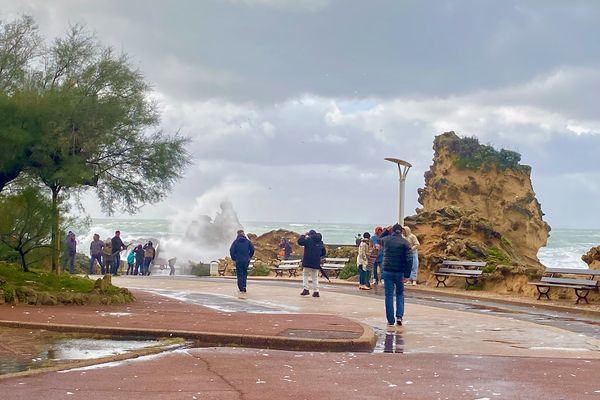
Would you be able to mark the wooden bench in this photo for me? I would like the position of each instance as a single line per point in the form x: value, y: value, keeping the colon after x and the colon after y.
x: 223, y: 269
x: 581, y: 280
x: 470, y: 270
x: 291, y: 266
x: 334, y: 264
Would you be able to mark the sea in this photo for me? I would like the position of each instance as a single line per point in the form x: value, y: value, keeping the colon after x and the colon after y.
x: 563, y: 250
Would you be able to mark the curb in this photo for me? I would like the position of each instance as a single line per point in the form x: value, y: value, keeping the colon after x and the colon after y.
x: 364, y: 343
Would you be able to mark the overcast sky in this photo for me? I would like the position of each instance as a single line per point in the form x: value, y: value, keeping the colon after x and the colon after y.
x: 293, y: 104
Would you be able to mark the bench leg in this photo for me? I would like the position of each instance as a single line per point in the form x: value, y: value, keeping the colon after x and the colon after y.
x: 279, y: 272
x: 542, y: 293
x: 470, y: 282
x: 337, y: 273
x: 583, y: 295
x: 441, y: 280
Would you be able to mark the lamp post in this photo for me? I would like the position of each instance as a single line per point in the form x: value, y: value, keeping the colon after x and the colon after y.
x: 403, y: 168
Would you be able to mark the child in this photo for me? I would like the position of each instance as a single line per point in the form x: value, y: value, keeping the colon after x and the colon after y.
x: 130, y: 262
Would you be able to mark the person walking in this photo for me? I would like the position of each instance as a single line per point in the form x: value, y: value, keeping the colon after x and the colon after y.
x: 314, y: 249
x: 96, y: 247
x: 116, y: 246
x: 414, y: 245
x: 139, y: 259
x: 149, y: 255
x: 362, y: 261
x: 71, y: 251
x: 241, y: 251
x: 396, y: 267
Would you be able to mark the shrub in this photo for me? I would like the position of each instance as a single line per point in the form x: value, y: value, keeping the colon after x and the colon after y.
x: 349, y: 270
x: 260, y: 270
x: 473, y: 155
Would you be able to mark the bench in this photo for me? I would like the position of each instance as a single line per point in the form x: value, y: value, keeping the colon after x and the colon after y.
x: 582, y: 281
x: 334, y: 264
x: 291, y: 266
x: 470, y: 270
x: 223, y: 269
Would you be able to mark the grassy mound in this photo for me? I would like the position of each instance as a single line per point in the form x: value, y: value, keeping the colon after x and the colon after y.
x: 42, y: 287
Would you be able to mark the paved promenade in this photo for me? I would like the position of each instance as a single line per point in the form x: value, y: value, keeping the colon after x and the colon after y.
x: 437, y: 354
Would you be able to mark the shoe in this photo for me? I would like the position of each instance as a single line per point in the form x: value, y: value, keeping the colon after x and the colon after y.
x: 399, y: 321
x: 244, y: 290
x: 414, y: 283
x: 305, y: 293
x: 368, y: 288
x: 316, y: 294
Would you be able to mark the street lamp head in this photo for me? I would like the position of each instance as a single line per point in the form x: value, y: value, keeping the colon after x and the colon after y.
x: 398, y: 161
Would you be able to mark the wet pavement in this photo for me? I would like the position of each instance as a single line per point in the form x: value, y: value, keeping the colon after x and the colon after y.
x: 449, y: 348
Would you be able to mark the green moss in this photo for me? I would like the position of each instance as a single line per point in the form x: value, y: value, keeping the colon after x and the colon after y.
x: 496, y: 257
x: 349, y: 270
x: 473, y: 155
x: 506, y: 241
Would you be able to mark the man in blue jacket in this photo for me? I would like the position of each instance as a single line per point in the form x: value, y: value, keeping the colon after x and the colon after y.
x: 241, y: 251
x: 396, y: 267
x: 314, y: 249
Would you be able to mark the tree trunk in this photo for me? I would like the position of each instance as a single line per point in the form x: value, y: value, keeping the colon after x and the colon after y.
x: 55, y: 234
x: 23, y: 262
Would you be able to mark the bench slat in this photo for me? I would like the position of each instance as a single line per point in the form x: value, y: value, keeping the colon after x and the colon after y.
x: 327, y: 259
x: 459, y: 271
x: 570, y: 281
x: 573, y: 271
x: 465, y: 263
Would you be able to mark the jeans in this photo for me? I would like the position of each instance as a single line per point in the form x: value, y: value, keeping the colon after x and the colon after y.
x: 362, y: 276
x: 393, y: 281
x: 376, y: 266
x: 115, y: 264
x: 415, y: 266
x: 71, y: 263
x: 96, y: 257
x: 314, y: 278
x: 146, y: 266
x: 241, y: 272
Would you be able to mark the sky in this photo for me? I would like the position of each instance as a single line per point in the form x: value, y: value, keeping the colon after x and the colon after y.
x: 292, y: 105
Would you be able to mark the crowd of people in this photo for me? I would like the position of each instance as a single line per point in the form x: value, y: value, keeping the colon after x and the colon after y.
x: 107, y: 255
x: 389, y: 255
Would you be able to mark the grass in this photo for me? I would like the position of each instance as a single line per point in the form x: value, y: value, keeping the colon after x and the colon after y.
x: 43, y: 280
x: 349, y: 270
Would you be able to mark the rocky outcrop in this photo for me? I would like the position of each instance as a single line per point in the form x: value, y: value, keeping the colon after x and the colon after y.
x: 479, y: 204
x: 592, y: 257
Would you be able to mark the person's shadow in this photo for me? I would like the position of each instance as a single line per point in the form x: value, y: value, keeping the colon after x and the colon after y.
x: 393, y: 343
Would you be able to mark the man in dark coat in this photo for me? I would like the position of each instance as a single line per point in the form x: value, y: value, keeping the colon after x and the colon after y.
x: 314, y: 249
x: 117, y: 245
x: 241, y: 251
x: 396, y: 267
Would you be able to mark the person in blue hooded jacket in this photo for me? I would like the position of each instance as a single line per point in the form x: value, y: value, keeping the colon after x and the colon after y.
x: 241, y: 251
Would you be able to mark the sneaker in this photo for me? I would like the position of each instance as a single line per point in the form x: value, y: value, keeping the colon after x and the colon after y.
x: 305, y: 293
x: 316, y: 294
x: 399, y: 321
x: 244, y: 290
x: 414, y: 283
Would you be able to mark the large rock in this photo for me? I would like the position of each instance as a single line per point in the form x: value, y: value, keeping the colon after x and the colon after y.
x: 592, y: 257
x: 479, y: 204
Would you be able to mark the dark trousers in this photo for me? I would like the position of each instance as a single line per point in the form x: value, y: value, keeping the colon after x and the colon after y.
x: 93, y: 258
x: 116, y: 263
x: 241, y: 272
x: 107, y: 258
x: 376, y: 266
x: 139, y: 266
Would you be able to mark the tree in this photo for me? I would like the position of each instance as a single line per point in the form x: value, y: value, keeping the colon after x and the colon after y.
x: 25, y: 223
x: 19, y: 46
x: 92, y: 125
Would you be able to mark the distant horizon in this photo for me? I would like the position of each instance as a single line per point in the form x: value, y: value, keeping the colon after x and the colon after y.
x: 308, y: 222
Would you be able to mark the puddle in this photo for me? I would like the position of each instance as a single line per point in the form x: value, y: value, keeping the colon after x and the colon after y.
x: 388, y: 341
x: 24, y: 349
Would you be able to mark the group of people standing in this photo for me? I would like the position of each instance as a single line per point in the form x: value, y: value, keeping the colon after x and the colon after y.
x: 108, y: 255
x: 393, y: 250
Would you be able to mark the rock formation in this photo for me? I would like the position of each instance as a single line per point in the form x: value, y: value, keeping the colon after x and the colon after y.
x: 479, y: 204
x: 592, y: 257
